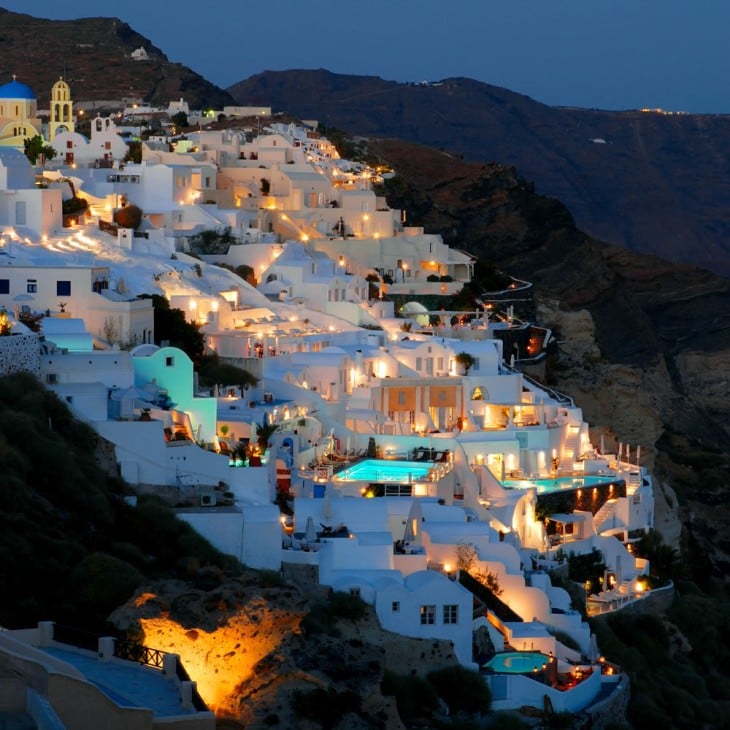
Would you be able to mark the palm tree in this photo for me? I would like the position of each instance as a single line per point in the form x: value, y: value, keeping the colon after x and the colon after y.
x: 466, y: 361
x: 264, y: 431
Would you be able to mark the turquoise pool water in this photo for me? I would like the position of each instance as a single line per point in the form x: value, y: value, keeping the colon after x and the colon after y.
x: 559, y: 484
x: 517, y: 662
x: 379, y: 470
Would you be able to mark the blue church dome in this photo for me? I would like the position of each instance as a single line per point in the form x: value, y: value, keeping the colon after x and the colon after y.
x: 15, y: 90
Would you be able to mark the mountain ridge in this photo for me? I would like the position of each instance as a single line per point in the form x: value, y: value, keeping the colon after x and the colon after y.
x: 653, y: 182
x: 94, y: 57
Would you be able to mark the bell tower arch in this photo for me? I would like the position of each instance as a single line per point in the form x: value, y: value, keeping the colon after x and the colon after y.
x: 61, y: 109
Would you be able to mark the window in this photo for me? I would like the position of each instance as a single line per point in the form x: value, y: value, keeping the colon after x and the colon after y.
x: 4, y: 286
x: 401, y: 398
x: 428, y: 615
x: 440, y: 364
x: 451, y: 613
x: 69, y: 144
x: 395, y: 607
x: 169, y: 362
x: 31, y: 286
x: 51, y: 378
x: 419, y: 364
x: 63, y: 288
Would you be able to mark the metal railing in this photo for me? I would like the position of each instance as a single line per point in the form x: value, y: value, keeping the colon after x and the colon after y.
x: 133, y: 652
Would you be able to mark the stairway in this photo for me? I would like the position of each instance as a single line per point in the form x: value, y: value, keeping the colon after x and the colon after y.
x: 569, y: 450
x: 471, y: 515
x: 604, y: 515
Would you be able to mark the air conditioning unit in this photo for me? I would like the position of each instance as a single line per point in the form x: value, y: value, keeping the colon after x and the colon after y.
x: 207, y: 500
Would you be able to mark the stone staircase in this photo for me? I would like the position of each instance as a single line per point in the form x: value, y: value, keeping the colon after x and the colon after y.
x: 569, y: 450
x: 471, y: 514
x: 605, y: 518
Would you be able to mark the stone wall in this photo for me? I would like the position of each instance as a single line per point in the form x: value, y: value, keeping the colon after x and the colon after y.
x: 20, y: 353
x: 612, y: 710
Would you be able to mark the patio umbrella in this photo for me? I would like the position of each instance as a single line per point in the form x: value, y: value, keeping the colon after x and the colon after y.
x: 638, y: 455
x: 603, y: 445
x: 310, y: 534
x: 327, y: 504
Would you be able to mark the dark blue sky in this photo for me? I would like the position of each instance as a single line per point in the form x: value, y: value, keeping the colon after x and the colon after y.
x: 609, y: 54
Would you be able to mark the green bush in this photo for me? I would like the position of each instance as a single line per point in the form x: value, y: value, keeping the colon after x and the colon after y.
x: 462, y: 689
x: 347, y: 605
x: 326, y: 707
x: 414, y: 696
x: 101, y: 579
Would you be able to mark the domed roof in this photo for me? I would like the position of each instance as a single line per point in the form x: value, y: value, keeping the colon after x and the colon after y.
x: 15, y: 90
x: 60, y: 84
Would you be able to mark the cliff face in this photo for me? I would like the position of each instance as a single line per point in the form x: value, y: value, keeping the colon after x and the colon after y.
x: 251, y: 643
x: 94, y: 57
x: 645, y: 344
x: 652, y: 182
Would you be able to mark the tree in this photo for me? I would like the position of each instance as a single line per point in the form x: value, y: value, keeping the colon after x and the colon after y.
x: 466, y: 361
x: 130, y: 216
x: 180, y: 120
x: 36, y: 146
x: 171, y: 325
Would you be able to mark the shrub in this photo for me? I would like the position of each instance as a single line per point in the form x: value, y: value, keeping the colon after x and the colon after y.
x: 103, y: 580
x: 347, y: 605
x: 128, y: 217
x: 461, y: 689
x: 414, y: 696
x: 326, y: 707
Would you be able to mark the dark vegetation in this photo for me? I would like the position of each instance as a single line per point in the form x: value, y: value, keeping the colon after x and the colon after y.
x: 323, y: 615
x: 172, y: 327
x: 212, y: 371
x: 677, y: 664
x: 130, y: 216
x: 463, y: 692
x: 211, y: 242
x: 71, y: 548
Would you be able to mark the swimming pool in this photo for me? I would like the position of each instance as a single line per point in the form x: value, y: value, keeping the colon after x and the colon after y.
x: 517, y: 662
x: 558, y: 484
x: 380, y: 470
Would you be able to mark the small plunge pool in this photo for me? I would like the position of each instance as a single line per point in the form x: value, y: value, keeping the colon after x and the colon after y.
x: 517, y: 662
